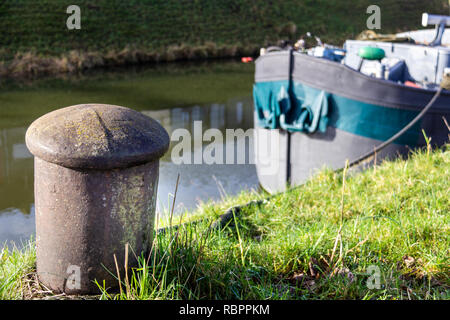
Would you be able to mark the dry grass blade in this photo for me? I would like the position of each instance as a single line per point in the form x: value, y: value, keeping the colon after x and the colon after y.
x: 447, y: 125
x: 127, y: 284
x: 174, y: 199
x: 118, y: 274
x: 341, y: 219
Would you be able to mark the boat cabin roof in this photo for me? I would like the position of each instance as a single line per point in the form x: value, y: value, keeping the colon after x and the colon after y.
x: 426, y: 36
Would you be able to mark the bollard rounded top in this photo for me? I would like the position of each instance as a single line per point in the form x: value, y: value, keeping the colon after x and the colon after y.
x: 96, y: 136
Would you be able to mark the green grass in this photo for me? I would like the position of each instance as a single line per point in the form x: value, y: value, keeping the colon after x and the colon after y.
x: 318, y: 241
x: 15, y: 264
x: 107, y: 24
x: 117, y: 32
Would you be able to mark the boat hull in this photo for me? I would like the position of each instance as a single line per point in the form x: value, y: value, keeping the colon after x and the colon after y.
x: 362, y: 113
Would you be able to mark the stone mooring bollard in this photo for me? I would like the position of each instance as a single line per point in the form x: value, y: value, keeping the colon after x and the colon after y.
x: 96, y: 172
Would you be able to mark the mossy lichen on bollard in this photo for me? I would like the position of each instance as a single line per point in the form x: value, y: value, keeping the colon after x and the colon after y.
x: 96, y: 176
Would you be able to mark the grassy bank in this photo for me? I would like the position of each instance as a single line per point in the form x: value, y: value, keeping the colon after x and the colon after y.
x: 36, y: 41
x: 323, y: 240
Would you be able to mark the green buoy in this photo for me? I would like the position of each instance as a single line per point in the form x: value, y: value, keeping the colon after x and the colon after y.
x: 371, y: 53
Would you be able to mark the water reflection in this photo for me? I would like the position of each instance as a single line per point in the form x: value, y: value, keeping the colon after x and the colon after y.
x: 199, y: 182
x: 16, y: 172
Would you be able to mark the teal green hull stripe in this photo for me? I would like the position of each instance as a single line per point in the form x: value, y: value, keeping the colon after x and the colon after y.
x: 363, y: 119
x: 372, y: 121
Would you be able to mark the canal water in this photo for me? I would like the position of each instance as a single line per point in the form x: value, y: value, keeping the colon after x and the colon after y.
x: 177, y: 95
